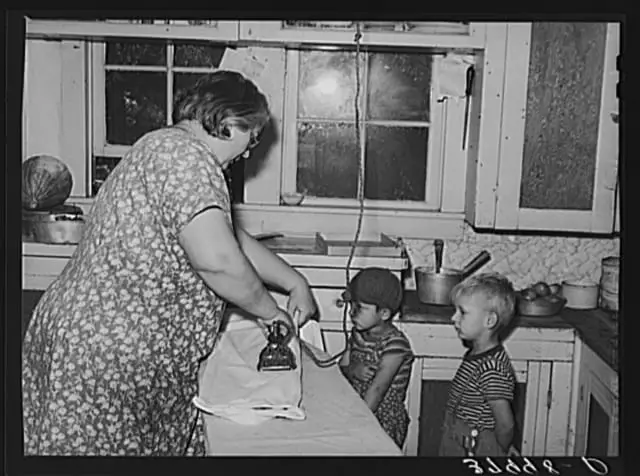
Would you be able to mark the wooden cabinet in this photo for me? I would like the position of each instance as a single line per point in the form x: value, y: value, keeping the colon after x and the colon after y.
x: 412, y: 34
x: 551, y: 161
x: 542, y: 360
x: 597, y: 413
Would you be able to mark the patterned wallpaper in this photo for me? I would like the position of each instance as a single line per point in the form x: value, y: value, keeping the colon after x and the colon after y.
x: 523, y: 259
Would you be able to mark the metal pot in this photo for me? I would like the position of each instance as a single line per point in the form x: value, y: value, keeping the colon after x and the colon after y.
x: 63, y: 227
x: 435, y: 287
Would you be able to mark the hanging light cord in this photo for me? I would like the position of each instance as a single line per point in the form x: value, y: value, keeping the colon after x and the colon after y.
x: 333, y: 359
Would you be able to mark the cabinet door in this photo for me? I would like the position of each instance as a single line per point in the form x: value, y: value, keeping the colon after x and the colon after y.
x: 602, y: 420
x: 437, y: 375
x: 558, y: 144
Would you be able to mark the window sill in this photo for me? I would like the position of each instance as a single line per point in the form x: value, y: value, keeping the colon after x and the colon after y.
x: 344, y: 221
x: 339, y: 220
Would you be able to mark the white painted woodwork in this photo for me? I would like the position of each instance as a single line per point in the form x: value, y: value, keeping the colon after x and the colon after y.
x: 592, y: 376
x: 497, y: 192
x: 454, y: 165
x: 483, y: 157
x: 414, y: 402
x: 438, y: 340
x: 514, y: 98
x: 559, y: 409
x: 54, y: 105
x: 69, y: 29
x: 300, y: 219
x: 262, y: 185
x: 272, y: 31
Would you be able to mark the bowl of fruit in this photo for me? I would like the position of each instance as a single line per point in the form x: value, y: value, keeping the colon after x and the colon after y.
x: 541, y: 299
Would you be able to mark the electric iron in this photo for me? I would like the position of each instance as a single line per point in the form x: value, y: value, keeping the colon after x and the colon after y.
x: 277, y: 355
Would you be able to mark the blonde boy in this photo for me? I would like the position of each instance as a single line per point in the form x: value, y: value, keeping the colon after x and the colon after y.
x: 479, y: 419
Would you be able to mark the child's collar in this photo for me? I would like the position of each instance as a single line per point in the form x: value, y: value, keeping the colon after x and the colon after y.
x: 487, y: 353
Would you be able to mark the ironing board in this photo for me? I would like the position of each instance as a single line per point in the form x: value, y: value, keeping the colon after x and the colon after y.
x: 338, y: 423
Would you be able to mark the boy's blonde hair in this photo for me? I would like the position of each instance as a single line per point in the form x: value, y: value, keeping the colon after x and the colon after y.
x: 497, y: 290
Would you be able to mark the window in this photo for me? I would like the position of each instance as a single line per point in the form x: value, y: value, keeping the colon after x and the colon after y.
x: 134, y: 88
x: 399, y: 145
x: 406, y: 130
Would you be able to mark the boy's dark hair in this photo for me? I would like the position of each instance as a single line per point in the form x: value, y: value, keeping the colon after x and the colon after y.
x: 220, y: 100
x: 377, y: 286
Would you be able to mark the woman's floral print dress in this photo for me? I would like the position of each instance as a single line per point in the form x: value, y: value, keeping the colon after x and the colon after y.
x: 111, y: 355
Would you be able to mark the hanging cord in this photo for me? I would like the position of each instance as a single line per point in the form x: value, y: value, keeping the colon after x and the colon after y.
x: 357, y: 39
x: 333, y: 359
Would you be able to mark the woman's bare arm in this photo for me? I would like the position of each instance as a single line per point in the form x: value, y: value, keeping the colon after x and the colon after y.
x: 215, y: 254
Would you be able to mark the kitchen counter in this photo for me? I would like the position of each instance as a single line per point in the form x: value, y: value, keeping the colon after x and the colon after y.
x: 597, y: 328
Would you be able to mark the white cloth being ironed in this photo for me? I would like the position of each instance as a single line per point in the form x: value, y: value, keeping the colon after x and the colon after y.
x: 231, y: 386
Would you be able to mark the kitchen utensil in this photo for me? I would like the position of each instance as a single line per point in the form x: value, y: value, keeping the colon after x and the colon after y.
x: 540, y: 307
x: 435, y: 288
x: 62, y: 225
x: 609, y: 283
x: 580, y: 295
x: 277, y: 355
x: 439, y: 244
x: 469, y: 88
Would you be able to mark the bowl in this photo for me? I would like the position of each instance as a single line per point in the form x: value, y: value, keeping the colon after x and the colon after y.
x: 52, y: 228
x: 541, y: 306
x: 292, y: 199
x: 580, y: 294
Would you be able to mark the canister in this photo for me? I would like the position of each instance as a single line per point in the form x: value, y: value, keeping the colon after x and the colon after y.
x: 609, y: 283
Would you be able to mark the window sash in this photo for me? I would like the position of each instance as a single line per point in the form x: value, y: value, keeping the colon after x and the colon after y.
x: 99, y: 69
x: 436, y: 127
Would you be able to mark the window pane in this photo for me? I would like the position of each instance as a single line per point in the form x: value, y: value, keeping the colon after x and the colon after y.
x: 327, y: 160
x: 198, y: 55
x: 131, y: 53
x: 399, y: 86
x: 327, y: 85
x: 396, y: 164
x: 136, y: 103
x: 102, y: 167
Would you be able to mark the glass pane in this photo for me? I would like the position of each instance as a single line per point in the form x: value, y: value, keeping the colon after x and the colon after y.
x: 136, y: 103
x: 102, y: 167
x: 327, y: 85
x: 184, y: 80
x: 327, y: 160
x: 198, y: 55
x: 130, y: 53
x: 399, y: 86
x: 563, y: 115
x: 395, y: 164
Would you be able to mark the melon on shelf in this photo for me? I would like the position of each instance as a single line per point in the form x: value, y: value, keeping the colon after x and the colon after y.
x: 46, y: 183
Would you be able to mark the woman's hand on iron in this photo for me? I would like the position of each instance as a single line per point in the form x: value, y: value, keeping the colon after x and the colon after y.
x: 281, y: 315
x: 302, y: 306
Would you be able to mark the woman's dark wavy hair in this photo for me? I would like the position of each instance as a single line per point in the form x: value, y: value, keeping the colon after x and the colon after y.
x: 222, y: 99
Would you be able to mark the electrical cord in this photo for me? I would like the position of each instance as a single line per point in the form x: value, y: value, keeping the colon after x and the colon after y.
x: 360, y: 195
